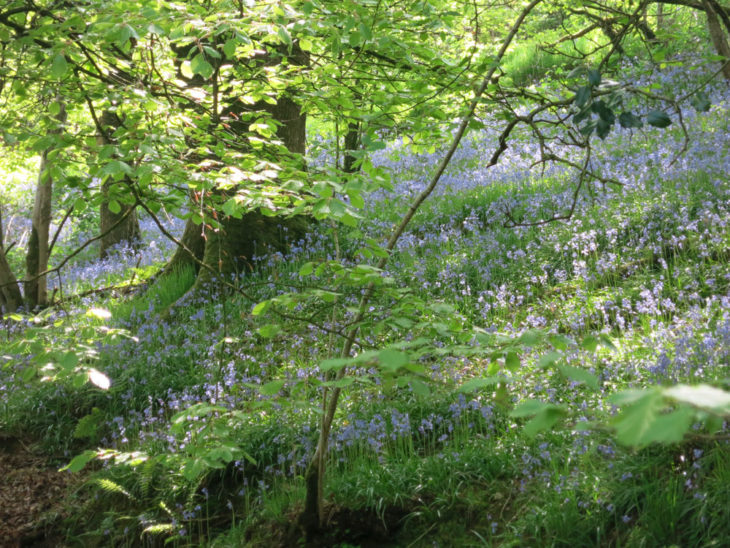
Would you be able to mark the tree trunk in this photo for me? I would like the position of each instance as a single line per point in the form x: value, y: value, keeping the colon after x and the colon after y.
x: 718, y: 37
x: 231, y: 247
x: 352, y: 143
x: 10, y: 297
x: 37, y: 256
x: 194, y: 240
x: 128, y: 229
x: 660, y: 23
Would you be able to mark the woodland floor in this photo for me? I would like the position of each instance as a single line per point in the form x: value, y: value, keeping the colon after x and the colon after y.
x: 31, y: 496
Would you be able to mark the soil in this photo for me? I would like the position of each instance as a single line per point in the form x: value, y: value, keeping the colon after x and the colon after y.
x: 32, y: 493
x: 343, y: 527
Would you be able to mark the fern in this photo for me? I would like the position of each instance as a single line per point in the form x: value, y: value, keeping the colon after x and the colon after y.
x: 112, y: 487
x: 159, y: 528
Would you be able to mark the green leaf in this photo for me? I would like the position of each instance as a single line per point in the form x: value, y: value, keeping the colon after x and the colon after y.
x: 420, y: 388
x: 114, y: 206
x: 260, y: 308
x: 603, y: 111
x: 306, y: 269
x: 544, y: 420
x: 659, y: 119
x: 527, y: 408
x: 703, y: 396
x: 634, y: 423
x: 222, y: 453
x: 392, y: 359
x: 512, y: 361
x: 271, y: 388
x: 478, y: 383
x: 59, y: 66
x: 560, y: 342
x: 671, y: 427
x: 68, y: 360
x: 629, y: 120
x: 590, y: 343
x: 606, y: 341
x: 546, y: 415
x: 582, y: 96
x: 79, y: 461
x: 88, y: 425
x: 700, y: 101
x: 581, y: 116
x: 578, y: 374
x: 344, y: 382
x: 594, y: 77
x: 626, y: 397
x: 549, y: 359
x: 531, y: 337
x: 269, y: 331
x: 186, y: 69
x: 333, y: 363
x: 284, y: 35
x: 200, y: 66
x: 193, y: 468
x: 229, y: 48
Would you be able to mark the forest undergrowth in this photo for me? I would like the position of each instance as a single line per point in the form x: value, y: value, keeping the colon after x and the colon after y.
x: 636, y: 285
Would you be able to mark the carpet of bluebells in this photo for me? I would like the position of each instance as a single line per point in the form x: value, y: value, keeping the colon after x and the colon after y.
x: 645, y: 262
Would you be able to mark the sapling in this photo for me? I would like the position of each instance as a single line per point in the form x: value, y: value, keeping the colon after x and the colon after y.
x: 312, y: 516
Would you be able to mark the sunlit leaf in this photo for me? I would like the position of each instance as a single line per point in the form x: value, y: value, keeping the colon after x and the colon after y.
x: 79, y: 461
x: 99, y: 313
x: 701, y: 395
x: 478, y: 383
x: 99, y: 379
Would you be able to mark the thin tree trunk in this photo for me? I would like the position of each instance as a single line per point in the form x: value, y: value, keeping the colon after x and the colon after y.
x: 10, y: 297
x: 352, y: 143
x: 128, y: 230
x: 718, y: 37
x: 37, y: 256
x: 660, y: 17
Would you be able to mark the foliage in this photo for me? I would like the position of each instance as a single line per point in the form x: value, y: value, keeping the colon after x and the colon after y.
x: 391, y: 332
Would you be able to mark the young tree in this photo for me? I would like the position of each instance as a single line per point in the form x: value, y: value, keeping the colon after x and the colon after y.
x: 38, y: 253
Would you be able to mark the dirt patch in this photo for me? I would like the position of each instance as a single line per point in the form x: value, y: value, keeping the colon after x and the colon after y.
x: 344, y: 527
x: 31, y: 496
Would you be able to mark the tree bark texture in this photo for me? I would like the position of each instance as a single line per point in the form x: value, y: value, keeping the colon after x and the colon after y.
x: 10, y: 297
x: 352, y: 143
x: 719, y: 40
x: 37, y: 256
x: 127, y: 230
x: 194, y: 240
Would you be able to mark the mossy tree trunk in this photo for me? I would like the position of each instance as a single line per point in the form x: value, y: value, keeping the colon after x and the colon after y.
x: 10, y: 297
x: 231, y: 247
x: 118, y: 221
x: 192, y: 250
x: 352, y: 144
